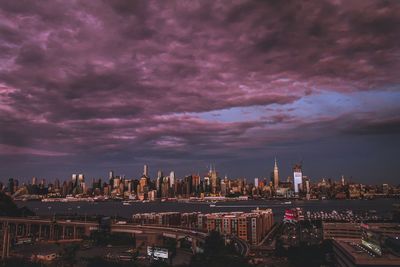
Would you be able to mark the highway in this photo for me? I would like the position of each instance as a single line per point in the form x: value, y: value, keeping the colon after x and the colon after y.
x: 242, y: 246
x: 176, y: 232
x: 45, y: 221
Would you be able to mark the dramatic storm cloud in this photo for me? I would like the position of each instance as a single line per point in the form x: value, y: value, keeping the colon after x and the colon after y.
x: 88, y: 86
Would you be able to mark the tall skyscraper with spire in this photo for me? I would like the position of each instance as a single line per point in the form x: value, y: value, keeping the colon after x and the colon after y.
x: 276, y: 175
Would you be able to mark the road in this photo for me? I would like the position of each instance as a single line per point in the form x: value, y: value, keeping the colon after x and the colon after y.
x: 243, y: 246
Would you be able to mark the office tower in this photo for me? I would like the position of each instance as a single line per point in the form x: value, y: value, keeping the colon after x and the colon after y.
x: 83, y: 186
x: 116, y: 182
x: 111, y: 175
x: 74, y: 179
x: 165, y: 187
x: 33, y: 180
x: 195, y: 183
x: 297, y: 178
x: 276, y: 175
x: 206, y: 184
x: 213, y: 179
x: 11, y: 185
x: 342, y: 180
x: 143, y: 183
x: 171, y: 179
x: 187, y: 186
x: 256, y: 182
x: 159, y: 174
x: 130, y: 187
x: 307, y: 185
x: 64, y: 189
x: 146, y: 171
x: 224, y: 188
x: 81, y: 178
x: 159, y: 182
x: 57, y: 184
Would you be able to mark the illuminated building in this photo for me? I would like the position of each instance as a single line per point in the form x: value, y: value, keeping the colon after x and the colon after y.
x: 171, y: 179
x: 297, y: 178
x: 293, y: 215
x: 251, y: 227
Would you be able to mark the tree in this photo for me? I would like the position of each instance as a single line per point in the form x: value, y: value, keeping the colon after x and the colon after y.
x: 216, y: 254
x: 16, y: 262
x: 170, y: 244
x: 7, y: 206
x: 68, y: 254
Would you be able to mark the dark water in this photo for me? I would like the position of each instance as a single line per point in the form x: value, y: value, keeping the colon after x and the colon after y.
x: 382, y: 207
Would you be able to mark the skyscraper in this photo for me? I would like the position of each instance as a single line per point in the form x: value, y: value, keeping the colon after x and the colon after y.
x: 81, y: 178
x: 297, y: 178
x: 213, y: 179
x: 256, y: 182
x: 171, y: 179
x: 146, y: 170
x: 159, y: 183
x: 74, y: 179
x: 276, y: 175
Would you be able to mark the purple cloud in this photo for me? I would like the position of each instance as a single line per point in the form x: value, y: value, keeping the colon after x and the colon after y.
x: 110, y: 79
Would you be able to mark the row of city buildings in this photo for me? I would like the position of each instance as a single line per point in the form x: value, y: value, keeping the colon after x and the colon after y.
x: 211, y: 184
x: 249, y: 226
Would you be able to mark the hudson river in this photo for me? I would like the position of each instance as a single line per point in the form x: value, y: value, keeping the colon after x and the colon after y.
x: 382, y: 207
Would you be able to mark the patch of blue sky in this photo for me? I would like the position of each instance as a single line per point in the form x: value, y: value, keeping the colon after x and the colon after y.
x: 323, y: 103
x: 327, y: 103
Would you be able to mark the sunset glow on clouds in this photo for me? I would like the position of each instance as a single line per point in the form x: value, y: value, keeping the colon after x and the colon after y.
x: 96, y: 85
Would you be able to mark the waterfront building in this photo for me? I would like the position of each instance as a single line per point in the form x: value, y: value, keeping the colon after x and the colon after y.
x: 251, y: 227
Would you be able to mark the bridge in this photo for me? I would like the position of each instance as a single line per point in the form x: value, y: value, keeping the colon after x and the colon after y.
x: 56, y: 230
x: 194, y: 236
x: 47, y: 228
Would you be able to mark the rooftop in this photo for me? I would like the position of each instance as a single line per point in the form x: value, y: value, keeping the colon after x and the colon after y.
x: 362, y: 256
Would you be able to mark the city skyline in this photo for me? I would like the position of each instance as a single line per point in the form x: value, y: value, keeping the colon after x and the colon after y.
x: 90, y: 87
x: 274, y: 176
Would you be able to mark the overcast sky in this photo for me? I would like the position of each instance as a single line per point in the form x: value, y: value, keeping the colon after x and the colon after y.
x: 89, y: 86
